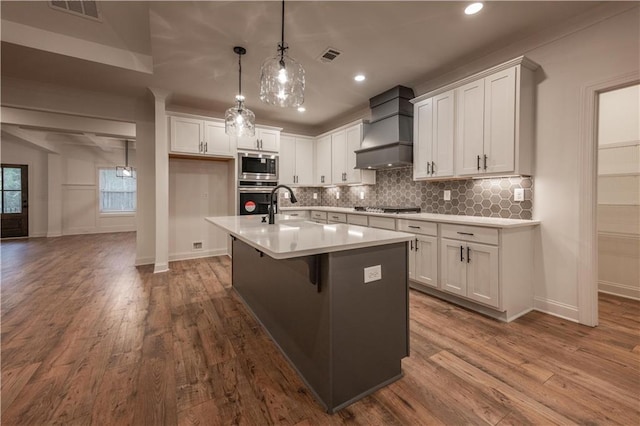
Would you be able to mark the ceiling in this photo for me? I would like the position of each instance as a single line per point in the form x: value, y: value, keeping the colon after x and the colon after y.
x: 191, y: 44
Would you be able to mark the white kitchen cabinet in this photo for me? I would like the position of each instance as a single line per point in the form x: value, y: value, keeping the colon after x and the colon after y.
x: 423, y: 251
x: 192, y: 135
x: 296, y: 160
x: 493, y: 118
x: 469, y: 265
x: 344, y: 143
x: 265, y: 139
x: 434, y: 137
x: 323, y: 161
x: 318, y: 216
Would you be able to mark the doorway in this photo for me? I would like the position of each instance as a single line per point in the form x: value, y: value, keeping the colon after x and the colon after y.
x: 14, y: 196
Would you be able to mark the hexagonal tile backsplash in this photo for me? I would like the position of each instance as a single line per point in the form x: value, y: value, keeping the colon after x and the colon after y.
x: 491, y: 197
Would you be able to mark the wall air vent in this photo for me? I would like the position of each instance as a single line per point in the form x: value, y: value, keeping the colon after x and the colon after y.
x: 329, y: 54
x: 84, y: 8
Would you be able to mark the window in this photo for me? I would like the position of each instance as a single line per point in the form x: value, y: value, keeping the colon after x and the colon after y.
x: 117, y: 194
x: 11, y: 187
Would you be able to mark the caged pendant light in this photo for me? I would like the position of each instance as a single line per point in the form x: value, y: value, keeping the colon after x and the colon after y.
x: 282, y: 78
x: 125, y: 171
x: 238, y: 120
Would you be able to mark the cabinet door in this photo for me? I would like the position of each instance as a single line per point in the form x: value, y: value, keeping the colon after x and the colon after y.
x: 269, y: 139
x: 443, y: 135
x: 453, y: 270
x: 354, y: 139
x: 499, y: 121
x: 338, y: 157
x: 412, y: 259
x: 303, y: 160
x: 217, y: 142
x: 422, y: 138
x: 426, y: 263
x: 470, y: 128
x: 287, y: 160
x: 323, y: 161
x: 482, y: 274
x: 186, y: 135
x: 249, y: 142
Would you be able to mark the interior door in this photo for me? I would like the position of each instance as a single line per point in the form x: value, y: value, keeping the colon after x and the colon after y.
x: 15, y: 195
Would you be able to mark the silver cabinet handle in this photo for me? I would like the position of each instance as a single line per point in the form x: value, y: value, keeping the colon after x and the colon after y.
x: 428, y: 168
x: 468, y: 254
x: 411, y: 245
x: 206, y: 147
x: 466, y: 233
x: 200, y: 147
x: 478, y: 162
x: 485, y: 161
x: 416, y: 244
x: 414, y: 227
x: 461, y: 254
x: 433, y: 168
x: 335, y: 217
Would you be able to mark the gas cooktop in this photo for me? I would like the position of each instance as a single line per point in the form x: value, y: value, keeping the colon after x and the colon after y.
x: 387, y: 209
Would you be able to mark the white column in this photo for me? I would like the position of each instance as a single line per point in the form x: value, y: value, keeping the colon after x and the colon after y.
x: 54, y: 195
x: 162, y: 181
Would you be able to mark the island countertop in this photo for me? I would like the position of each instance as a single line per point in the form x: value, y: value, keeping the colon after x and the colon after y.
x: 293, y: 237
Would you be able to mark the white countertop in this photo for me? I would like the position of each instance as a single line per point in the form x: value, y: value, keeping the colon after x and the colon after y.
x: 491, y: 222
x: 294, y: 237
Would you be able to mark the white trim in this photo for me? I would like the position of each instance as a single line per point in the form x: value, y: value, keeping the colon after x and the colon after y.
x: 81, y: 230
x: 147, y: 260
x: 619, y: 144
x: 587, y: 262
x: 48, y: 41
x: 53, y: 234
x: 620, y: 235
x: 159, y: 268
x: 197, y: 255
x: 558, y: 309
x: 617, y: 289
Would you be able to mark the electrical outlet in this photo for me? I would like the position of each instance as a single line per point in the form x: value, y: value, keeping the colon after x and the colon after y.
x: 286, y: 195
x: 337, y: 195
x: 362, y: 195
x: 372, y: 273
x: 447, y: 195
x: 315, y: 195
x: 518, y: 194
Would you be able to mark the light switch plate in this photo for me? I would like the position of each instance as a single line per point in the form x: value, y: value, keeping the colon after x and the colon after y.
x: 372, y: 273
x: 447, y: 195
x: 518, y: 194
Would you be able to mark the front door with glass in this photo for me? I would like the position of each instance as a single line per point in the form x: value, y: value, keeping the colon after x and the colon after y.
x: 14, y: 201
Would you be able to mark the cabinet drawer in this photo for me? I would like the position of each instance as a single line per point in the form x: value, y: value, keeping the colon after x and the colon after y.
x: 357, y: 219
x: 319, y: 215
x: 418, y: 227
x: 337, y: 217
x: 297, y: 213
x: 382, y: 222
x: 470, y: 233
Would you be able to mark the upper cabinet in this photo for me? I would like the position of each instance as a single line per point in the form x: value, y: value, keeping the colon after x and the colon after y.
x: 344, y: 143
x: 323, y: 161
x: 265, y: 139
x: 433, y: 145
x: 200, y: 137
x: 296, y: 160
x: 480, y: 126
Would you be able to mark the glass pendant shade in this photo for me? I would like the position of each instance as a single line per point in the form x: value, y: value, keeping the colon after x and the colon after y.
x: 239, y: 121
x: 282, y: 80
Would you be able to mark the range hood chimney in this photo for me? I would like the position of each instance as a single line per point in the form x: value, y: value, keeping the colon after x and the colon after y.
x: 388, y: 138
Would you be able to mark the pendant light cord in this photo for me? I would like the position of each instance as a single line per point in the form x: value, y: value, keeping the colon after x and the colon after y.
x: 240, y: 75
x: 282, y: 48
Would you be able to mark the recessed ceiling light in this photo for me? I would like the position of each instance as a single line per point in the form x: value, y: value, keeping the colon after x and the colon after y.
x: 359, y: 77
x: 301, y: 109
x: 473, y: 8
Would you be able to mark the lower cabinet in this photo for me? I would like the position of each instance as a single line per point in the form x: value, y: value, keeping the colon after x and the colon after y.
x: 423, y: 260
x: 470, y: 270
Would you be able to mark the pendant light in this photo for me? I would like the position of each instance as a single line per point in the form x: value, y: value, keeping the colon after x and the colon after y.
x: 125, y: 171
x: 238, y: 120
x: 282, y: 78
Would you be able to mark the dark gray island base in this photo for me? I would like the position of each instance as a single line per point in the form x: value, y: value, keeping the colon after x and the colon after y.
x: 345, y: 338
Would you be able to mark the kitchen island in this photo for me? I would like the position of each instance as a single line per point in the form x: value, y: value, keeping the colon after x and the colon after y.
x: 334, y: 299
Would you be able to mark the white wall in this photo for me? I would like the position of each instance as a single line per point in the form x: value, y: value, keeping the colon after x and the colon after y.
x: 619, y: 192
x: 80, y: 192
x: 197, y: 189
x: 16, y: 153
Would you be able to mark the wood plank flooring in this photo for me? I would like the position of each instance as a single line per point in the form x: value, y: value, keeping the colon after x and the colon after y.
x: 87, y: 338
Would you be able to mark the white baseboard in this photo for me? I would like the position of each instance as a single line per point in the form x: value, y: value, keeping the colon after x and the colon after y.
x: 617, y: 289
x: 54, y: 234
x: 93, y: 230
x: 160, y: 267
x: 140, y: 261
x: 38, y: 235
x: 197, y: 254
x: 558, y: 309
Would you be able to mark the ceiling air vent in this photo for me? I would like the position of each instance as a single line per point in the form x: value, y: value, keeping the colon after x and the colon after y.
x: 84, y: 8
x: 329, y: 54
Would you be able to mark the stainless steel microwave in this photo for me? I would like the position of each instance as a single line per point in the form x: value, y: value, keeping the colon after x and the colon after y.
x: 257, y: 167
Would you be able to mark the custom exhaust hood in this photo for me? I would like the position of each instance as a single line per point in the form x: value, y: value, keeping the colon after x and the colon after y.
x: 388, y: 138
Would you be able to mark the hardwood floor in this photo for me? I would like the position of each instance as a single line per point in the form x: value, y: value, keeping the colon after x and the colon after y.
x: 87, y: 338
